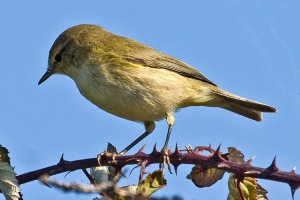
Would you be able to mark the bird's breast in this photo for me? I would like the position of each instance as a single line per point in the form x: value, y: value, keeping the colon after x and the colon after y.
x: 121, y: 96
x: 137, y: 93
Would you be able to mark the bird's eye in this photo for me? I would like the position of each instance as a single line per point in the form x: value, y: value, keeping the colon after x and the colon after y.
x: 58, y: 58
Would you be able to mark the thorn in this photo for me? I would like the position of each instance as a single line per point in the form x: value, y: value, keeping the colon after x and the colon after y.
x: 62, y: 161
x: 175, y: 167
x: 249, y: 162
x: 61, y: 158
x: 154, y: 151
x: 294, y: 170
x: 176, y: 152
x: 176, y: 148
x: 293, y: 189
x: 217, y: 155
x: 218, y: 149
x: 273, y: 167
x: 209, y: 147
x: 141, y: 149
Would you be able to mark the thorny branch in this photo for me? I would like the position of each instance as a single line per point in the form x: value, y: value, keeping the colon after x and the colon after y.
x: 215, y: 160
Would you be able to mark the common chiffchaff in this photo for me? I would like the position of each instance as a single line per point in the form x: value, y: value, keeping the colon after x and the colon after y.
x: 135, y: 82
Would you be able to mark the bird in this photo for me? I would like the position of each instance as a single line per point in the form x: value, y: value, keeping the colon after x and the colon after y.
x: 136, y: 82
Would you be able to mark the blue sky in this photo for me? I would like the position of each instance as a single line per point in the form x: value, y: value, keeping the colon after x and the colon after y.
x: 250, y: 48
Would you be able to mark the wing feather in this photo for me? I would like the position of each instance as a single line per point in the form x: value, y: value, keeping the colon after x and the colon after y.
x: 159, y: 60
x: 138, y: 53
x: 134, y: 52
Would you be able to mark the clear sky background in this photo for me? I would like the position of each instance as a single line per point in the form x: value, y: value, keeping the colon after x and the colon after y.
x: 250, y: 48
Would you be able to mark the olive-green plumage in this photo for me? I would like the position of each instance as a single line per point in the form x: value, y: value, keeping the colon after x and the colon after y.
x: 134, y: 81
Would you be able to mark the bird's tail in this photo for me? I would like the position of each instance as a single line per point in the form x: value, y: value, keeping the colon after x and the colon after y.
x: 242, y: 106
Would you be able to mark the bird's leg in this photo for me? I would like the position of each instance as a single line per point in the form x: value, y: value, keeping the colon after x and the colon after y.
x: 165, y: 150
x: 149, y: 126
x: 168, y: 136
x: 134, y: 143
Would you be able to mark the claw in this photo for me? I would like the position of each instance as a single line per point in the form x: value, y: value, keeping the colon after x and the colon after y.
x: 107, y: 154
x: 99, y: 156
x: 169, y: 164
x: 165, y: 158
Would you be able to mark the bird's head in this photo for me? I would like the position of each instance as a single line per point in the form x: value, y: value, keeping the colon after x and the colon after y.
x: 69, y: 52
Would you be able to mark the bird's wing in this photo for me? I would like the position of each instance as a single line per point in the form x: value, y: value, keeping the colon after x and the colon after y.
x: 152, y: 58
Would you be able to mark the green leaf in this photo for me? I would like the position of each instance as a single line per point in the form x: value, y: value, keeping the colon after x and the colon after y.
x: 250, y: 189
x: 152, y: 183
x: 205, y: 177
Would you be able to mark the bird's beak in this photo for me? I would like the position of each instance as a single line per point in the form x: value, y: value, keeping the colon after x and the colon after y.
x: 45, y: 76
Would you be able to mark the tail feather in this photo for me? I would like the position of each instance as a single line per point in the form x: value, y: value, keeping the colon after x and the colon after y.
x: 246, y: 112
x: 245, y: 107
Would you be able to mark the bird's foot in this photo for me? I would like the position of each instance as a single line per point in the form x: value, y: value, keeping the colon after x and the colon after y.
x: 165, y: 159
x: 107, y: 154
x: 111, y: 151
